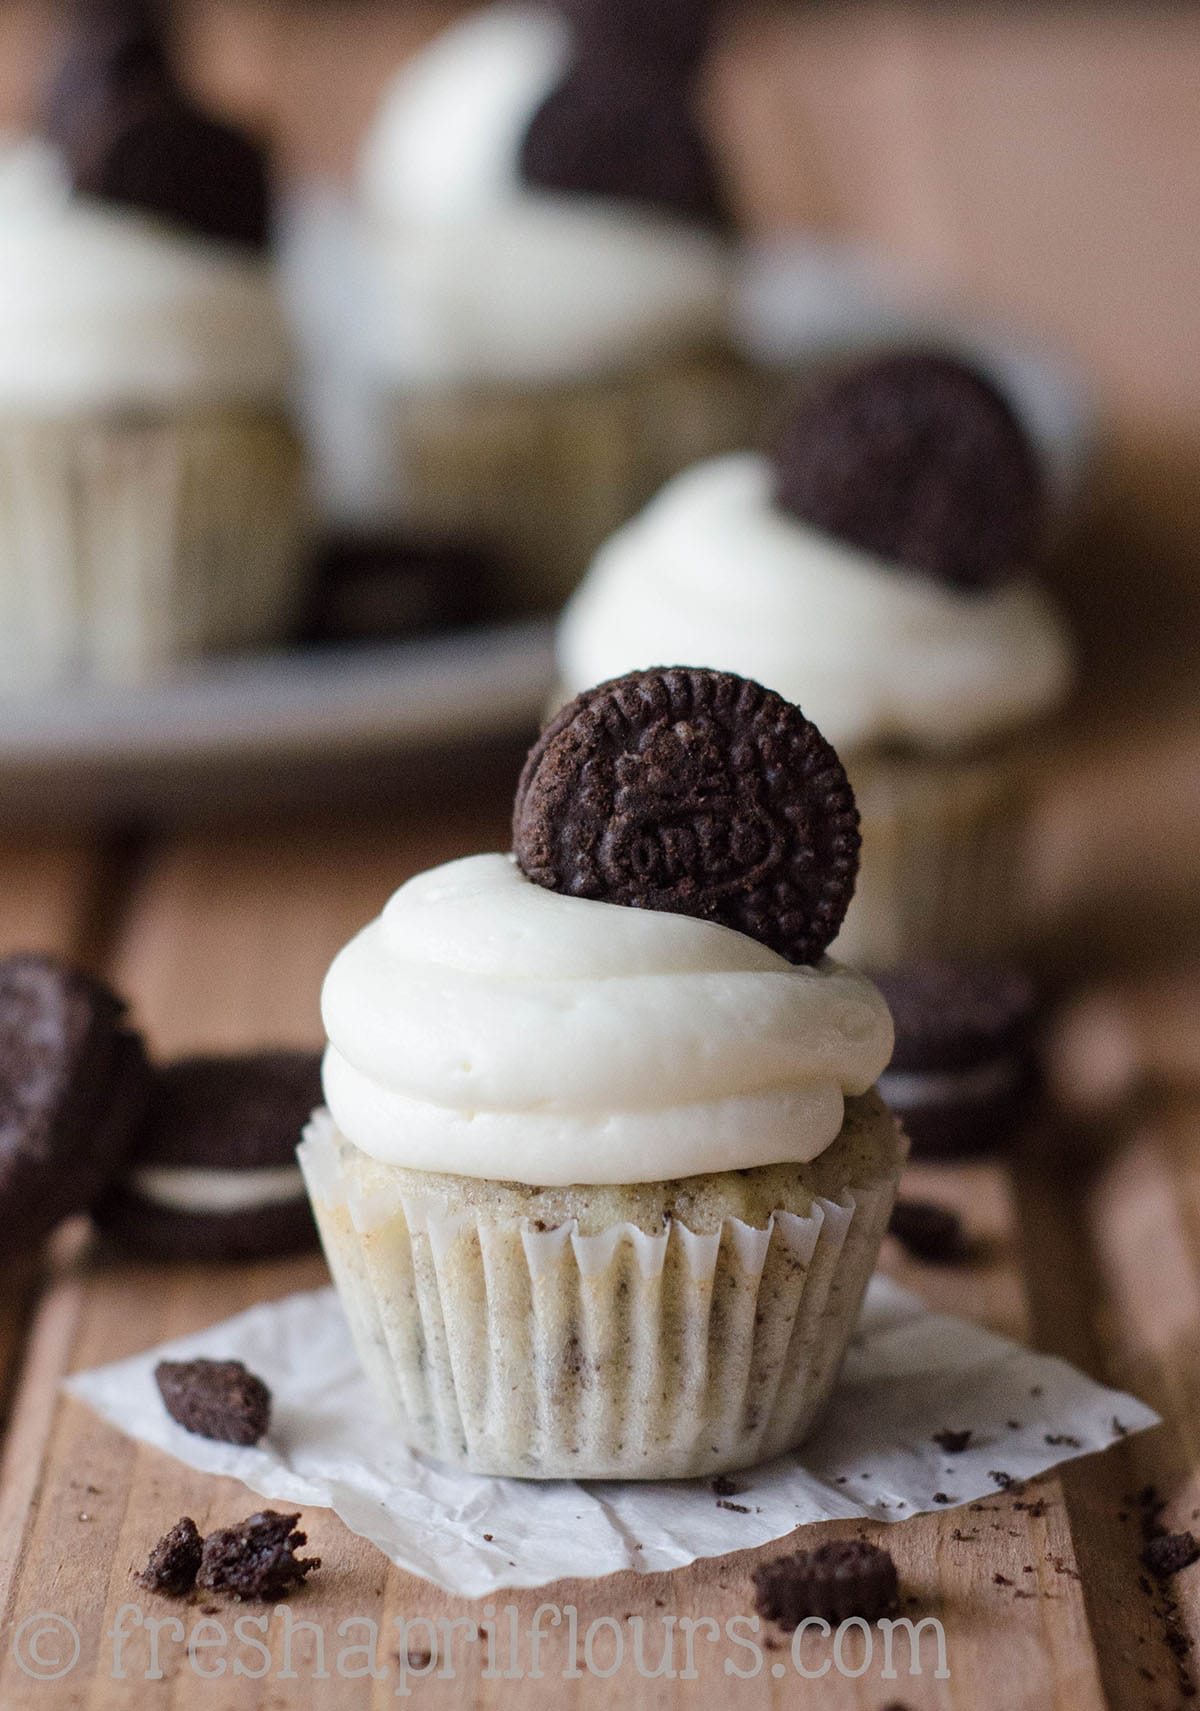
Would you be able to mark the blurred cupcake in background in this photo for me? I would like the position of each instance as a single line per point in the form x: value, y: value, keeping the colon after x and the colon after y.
x: 878, y: 571
x: 550, y: 272
x: 150, y: 483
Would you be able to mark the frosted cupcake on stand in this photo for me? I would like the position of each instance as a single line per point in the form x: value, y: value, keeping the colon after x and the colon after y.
x: 550, y: 273
x: 150, y: 483
x: 879, y: 571
x: 603, y: 1178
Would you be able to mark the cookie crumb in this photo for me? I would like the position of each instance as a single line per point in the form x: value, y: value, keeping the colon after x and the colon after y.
x: 954, y: 1443
x: 256, y: 1558
x: 1170, y: 1554
x: 217, y: 1399
x: 846, y: 1577
x: 174, y: 1562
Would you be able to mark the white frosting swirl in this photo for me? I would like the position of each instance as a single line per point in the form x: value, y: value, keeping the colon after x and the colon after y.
x: 487, y: 1027
x: 106, y: 308
x: 712, y: 573
x: 479, y: 277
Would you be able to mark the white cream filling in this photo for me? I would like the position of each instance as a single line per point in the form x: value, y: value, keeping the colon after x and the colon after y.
x: 184, y: 1188
x: 905, y: 1089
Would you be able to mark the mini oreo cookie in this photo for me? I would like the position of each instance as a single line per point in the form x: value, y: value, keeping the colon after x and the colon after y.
x: 844, y: 1578
x: 615, y: 128
x: 167, y: 159
x: 920, y: 461
x: 214, y: 1175
x: 73, y: 1089
x: 133, y: 138
x: 698, y: 793
x: 374, y: 587
x: 668, y: 34
x: 963, y: 1075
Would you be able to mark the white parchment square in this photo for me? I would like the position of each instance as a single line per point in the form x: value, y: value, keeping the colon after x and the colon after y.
x: 909, y: 1374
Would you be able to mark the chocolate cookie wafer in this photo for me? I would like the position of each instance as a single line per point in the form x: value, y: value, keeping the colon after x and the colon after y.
x: 74, y: 1083
x: 695, y: 792
x: 920, y: 461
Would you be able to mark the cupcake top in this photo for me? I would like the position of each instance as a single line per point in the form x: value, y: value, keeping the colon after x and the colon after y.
x: 580, y: 1012
x: 539, y: 206
x: 876, y: 568
x: 134, y: 231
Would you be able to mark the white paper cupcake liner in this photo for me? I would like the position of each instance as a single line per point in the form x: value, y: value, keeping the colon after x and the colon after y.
x: 544, y: 474
x: 550, y: 1354
x: 943, y: 850
x: 132, y: 543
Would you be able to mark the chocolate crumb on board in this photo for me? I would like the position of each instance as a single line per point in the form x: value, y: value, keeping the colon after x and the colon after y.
x: 735, y: 1508
x: 1003, y: 1481
x: 217, y: 1399
x: 1170, y: 1554
x: 999, y: 1579
x: 940, y: 1497
x: 846, y: 1577
x: 256, y: 1559
x: 174, y: 1561
x: 929, y: 1232
x: 723, y: 1486
x: 954, y: 1443
x: 1062, y: 1440
x: 1159, y: 1548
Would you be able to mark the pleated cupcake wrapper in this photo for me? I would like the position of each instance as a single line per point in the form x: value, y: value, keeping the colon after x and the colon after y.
x: 130, y: 543
x: 544, y: 474
x: 620, y: 1354
x: 942, y: 858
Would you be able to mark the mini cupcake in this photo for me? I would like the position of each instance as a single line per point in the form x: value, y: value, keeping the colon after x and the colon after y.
x: 602, y: 1177
x: 550, y: 267
x: 878, y: 571
x: 149, y: 480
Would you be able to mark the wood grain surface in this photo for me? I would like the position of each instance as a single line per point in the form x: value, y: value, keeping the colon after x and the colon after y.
x: 221, y: 942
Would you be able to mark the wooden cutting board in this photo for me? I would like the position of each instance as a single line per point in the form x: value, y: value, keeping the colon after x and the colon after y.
x: 221, y: 941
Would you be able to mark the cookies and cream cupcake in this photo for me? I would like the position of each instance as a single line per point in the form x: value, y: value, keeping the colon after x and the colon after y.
x: 550, y: 271
x: 149, y: 480
x: 879, y: 571
x: 603, y: 1176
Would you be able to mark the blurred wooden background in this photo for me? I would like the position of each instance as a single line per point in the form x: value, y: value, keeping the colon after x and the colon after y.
x: 1038, y: 162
